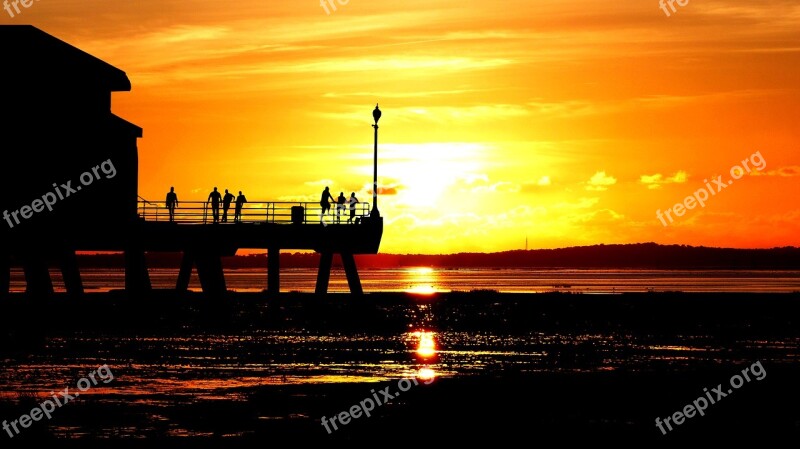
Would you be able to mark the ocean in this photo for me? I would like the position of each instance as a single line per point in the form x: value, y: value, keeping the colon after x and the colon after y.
x: 430, y: 280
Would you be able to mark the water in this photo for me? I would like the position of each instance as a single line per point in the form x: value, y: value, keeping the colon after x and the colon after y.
x: 429, y: 280
x: 157, y: 373
x: 154, y: 374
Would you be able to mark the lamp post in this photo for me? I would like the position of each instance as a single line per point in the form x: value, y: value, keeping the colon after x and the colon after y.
x: 376, y: 114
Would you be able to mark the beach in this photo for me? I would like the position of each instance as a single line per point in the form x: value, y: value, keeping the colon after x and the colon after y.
x: 488, y: 366
x: 422, y: 224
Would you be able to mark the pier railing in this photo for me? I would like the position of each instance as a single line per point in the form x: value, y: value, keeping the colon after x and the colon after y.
x: 252, y: 212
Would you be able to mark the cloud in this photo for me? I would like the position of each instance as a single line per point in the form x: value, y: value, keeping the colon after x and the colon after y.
x: 783, y: 172
x: 502, y: 186
x: 299, y: 198
x: 566, y: 108
x: 582, y: 203
x: 434, y: 114
x: 391, y: 189
x: 600, y: 181
x: 472, y: 178
x: 657, y: 180
x: 401, y: 95
x: 597, y: 216
x: 320, y: 183
x: 535, y: 186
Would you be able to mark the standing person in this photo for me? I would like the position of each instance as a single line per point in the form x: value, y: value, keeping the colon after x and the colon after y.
x: 214, y: 198
x: 172, y: 203
x: 240, y: 200
x: 352, y: 201
x: 323, y: 202
x: 226, y: 204
x: 340, y: 207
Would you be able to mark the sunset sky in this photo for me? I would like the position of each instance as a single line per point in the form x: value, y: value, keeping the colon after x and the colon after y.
x: 567, y: 121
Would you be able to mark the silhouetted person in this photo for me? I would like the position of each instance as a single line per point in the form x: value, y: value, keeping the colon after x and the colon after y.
x: 240, y: 200
x: 214, y: 198
x: 172, y: 203
x: 226, y: 204
x: 352, y: 201
x: 323, y: 202
x: 340, y: 207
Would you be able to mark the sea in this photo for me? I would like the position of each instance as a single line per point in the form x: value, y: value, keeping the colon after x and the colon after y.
x: 431, y: 280
x: 156, y: 372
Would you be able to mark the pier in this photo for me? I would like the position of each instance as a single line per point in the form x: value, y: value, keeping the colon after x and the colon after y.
x: 78, y: 143
x: 264, y: 225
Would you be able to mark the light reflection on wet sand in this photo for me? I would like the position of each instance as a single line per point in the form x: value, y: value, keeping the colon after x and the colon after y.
x: 201, y: 369
x: 203, y: 366
x: 158, y: 373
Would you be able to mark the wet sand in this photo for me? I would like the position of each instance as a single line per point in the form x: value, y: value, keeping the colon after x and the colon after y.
x: 509, y: 367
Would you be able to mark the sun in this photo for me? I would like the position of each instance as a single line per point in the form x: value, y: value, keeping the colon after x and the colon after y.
x: 423, y: 174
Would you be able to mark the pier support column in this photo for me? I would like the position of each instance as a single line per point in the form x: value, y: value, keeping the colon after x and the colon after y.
x: 324, y: 273
x: 137, y: 279
x: 71, y: 273
x: 212, y: 278
x: 37, y: 276
x: 186, y: 271
x: 352, y: 274
x: 273, y: 270
x: 5, y: 274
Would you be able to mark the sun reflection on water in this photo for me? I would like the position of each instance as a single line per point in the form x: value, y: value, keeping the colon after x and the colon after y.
x: 425, y: 343
x: 426, y: 374
x: 423, y: 281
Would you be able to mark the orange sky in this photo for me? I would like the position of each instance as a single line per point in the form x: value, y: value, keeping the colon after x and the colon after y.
x: 567, y: 121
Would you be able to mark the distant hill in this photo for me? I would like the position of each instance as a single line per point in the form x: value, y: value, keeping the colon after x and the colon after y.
x: 636, y: 256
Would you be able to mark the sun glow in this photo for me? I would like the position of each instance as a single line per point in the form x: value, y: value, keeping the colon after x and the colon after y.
x: 422, y: 281
x: 497, y: 123
x: 423, y: 174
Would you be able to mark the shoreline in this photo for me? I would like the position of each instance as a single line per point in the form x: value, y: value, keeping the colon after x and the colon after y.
x: 501, y: 407
x: 572, y: 367
x: 655, y: 312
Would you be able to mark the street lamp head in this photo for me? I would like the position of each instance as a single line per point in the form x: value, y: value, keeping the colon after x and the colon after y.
x: 376, y: 114
x: 374, y: 214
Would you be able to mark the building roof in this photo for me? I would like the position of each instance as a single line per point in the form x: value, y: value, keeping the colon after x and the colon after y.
x: 135, y: 130
x: 33, y: 58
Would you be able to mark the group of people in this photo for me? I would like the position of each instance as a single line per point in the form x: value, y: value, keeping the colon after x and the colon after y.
x: 340, y: 205
x: 214, y: 198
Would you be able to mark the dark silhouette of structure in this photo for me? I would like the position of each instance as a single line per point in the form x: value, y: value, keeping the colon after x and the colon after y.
x: 172, y: 203
x: 376, y: 115
x: 57, y: 122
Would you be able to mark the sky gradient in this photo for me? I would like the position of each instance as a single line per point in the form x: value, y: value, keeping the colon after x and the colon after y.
x: 569, y: 122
